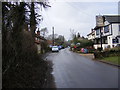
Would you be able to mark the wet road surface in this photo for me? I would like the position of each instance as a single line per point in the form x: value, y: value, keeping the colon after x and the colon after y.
x: 71, y: 70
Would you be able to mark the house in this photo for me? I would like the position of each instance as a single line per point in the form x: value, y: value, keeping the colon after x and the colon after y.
x: 39, y: 40
x: 91, y: 35
x: 107, y: 35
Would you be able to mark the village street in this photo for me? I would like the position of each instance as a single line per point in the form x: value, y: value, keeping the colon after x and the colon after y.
x: 70, y: 70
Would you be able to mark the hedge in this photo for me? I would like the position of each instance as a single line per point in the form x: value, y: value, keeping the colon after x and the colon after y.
x: 106, y: 53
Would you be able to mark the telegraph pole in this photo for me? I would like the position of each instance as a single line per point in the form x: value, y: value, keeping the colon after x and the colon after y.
x: 53, y: 35
x: 100, y: 38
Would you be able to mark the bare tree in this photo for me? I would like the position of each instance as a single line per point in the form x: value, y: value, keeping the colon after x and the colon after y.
x: 73, y: 33
x: 44, y: 31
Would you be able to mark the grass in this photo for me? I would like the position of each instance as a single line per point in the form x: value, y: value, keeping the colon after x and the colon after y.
x: 113, y: 59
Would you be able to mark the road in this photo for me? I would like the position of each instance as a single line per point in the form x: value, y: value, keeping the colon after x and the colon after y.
x: 71, y: 70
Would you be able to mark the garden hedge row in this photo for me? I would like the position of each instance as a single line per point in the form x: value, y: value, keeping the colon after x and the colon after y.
x: 107, y: 53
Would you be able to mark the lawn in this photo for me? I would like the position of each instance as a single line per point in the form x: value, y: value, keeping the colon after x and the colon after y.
x: 113, y: 59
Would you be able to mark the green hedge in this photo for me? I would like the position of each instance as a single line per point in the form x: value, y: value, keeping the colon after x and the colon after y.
x: 106, y: 53
x: 22, y: 66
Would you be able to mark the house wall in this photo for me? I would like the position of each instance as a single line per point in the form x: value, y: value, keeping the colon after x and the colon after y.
x: 115, y: 29
x: 98, y: 46
x: 90, y: 37
x: 109, y: 38
x: 97, y: 35
x: 109, y: 32
x: 39, y: 48
x: 116, y: 32
x: 113, y: 32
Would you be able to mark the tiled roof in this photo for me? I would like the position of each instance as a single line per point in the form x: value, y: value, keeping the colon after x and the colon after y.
x: 91, y: 33
x: 96, y: 27
x: 112, y: 18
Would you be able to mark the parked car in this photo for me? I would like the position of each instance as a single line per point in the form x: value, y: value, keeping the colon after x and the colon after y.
x: 55, y: 49
x: 60, y: 47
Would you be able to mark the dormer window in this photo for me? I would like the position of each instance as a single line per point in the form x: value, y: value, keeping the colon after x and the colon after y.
x: 106, y: 29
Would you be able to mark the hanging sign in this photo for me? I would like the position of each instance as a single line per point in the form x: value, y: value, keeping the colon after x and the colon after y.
x: 99, y: 21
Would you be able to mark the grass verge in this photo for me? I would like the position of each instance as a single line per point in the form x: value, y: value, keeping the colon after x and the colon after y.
x: 113, y: 59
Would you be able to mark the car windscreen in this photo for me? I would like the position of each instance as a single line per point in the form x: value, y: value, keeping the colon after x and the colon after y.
x: 55, y: 47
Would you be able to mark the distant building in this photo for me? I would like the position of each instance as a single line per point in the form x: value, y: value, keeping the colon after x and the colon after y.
x: 110, y: 32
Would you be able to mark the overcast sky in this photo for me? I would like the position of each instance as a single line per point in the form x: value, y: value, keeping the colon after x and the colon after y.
x: 79, y: 16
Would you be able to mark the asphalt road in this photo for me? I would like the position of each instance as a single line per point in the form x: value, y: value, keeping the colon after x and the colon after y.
x: 71, y: 70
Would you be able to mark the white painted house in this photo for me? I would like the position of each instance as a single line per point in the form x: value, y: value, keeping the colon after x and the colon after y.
x: 109, y: 34
x: 91, y: 35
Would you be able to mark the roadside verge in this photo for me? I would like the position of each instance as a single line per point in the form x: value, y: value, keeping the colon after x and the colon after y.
x: 108, y: 63
x: 91, y: 56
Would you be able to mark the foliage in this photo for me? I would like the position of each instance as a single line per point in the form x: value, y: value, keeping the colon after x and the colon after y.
x: 78, y: 35
x: 59, y: 40
x: 117, y: 49
x: 79, y: 41
x: 44, y: 31
x: 113, y: 59
x: 75, y: 40
x: 91, y: 50
x: 107, y: 53
x: 22, y: 67
x: 85, y: 43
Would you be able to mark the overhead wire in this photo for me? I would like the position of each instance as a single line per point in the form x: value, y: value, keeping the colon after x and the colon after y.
x: 78, y: 9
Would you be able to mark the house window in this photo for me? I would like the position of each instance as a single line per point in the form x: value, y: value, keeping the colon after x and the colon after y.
x: 106, y: 29
x: 97, y: 32
x: 105, y: 40
x: 115, y: 40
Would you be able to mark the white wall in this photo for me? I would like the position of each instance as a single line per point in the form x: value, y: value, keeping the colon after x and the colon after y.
x: 109, y: 38
x: 108, y: 33
x: 97, y: 36
x: 98, y: 46
x: 115, y: 32
x: 39, y: 48
x: 91, y: 37
x: 115, y: 29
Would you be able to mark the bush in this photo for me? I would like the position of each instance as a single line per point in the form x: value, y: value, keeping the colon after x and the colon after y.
x: 85, y: 43
x: 109, y: 52
x: 91, y: 49
x: 99, y: 49
x: 22, y: 66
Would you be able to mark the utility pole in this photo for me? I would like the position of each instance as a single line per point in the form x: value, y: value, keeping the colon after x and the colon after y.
x: 53, y: 35
x: 100, y: 38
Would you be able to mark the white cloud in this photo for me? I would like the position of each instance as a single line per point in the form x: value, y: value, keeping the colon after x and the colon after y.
x: 79, y: 16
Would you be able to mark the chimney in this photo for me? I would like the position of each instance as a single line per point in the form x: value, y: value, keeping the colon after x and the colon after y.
x: 92, y: 30
x: 38, y: 32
